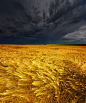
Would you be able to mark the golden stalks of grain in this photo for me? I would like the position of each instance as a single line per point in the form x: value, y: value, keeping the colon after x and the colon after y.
x: 43, y: 78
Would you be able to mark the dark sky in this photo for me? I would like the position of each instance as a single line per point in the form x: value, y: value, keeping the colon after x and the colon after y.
x: 42, y: 21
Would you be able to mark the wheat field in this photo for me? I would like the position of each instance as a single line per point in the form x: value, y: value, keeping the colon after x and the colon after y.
x: 42, y: 74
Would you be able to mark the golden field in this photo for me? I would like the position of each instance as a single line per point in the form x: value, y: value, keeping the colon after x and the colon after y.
x: 42, y: 74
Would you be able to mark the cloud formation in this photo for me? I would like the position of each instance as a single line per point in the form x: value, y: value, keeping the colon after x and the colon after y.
x: 77, y: 34
x: 49, y: 20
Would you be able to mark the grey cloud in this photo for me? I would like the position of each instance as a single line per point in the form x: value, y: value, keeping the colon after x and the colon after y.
x: 77, y: 35
x: 66, y: 10
x: 26, y: 18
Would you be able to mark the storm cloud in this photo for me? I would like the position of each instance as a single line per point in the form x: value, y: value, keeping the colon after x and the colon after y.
x: 50, y: 21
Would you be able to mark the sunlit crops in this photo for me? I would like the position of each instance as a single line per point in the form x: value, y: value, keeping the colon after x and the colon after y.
x: 42, y: 74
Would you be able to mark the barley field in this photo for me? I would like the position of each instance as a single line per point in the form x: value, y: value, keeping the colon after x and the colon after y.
x: 42, y: 74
